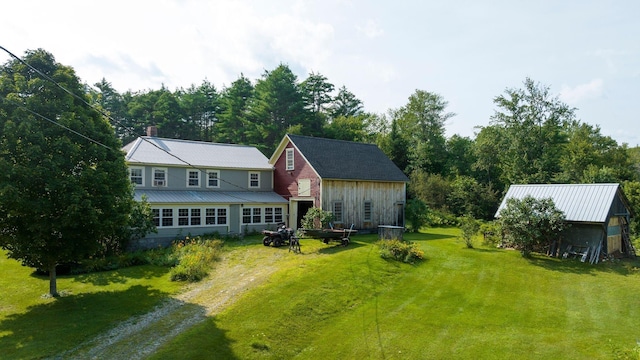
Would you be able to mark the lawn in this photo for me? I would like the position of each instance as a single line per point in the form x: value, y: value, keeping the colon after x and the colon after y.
x: 482, y: 303
x: 34, y: 326
x: 334, y: 302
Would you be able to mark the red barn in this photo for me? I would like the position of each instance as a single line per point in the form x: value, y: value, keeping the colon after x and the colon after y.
x: 357, y: 182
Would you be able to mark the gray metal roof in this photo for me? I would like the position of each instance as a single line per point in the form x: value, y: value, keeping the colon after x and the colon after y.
x: 579, y: 202
x: 347, y: 160
x: 154, y: 150
x: 209, y: 197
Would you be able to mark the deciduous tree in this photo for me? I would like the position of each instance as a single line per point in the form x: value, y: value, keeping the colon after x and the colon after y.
x: 64, y: 187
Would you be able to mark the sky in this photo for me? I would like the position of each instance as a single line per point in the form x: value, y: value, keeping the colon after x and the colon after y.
x: 586, y: 51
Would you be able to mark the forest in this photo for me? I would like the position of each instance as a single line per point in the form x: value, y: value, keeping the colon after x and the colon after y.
x: 532, y: 137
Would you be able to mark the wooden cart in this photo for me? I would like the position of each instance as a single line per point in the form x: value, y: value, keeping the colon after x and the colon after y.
x: 327, y: 235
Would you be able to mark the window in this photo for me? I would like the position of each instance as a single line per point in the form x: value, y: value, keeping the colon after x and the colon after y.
x: 213, y: 178
x: 268, y: 215
x: 290, y: 163
x: 257, y: 215
x: 159, y: 177
x: 254, y: 180
x: 222, y: 216
x: 210, y: 217
x: 167, y: 217
x: 193, y: 178
x: 252, y: 215
x: 246, y: 215
x: 273, y: 215
x: 156, y: 217
x: 183, y: 217
x: 195, y: 217
x: 136, y: 174
x: 337, y: 211
x: 367, y: 211
x: 277, y: 215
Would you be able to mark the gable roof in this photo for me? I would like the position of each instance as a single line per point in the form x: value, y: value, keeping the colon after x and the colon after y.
x: 344, y: 160
x: 579, y: 202
x: 161, y: 151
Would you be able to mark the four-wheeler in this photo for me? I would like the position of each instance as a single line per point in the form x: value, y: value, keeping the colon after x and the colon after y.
x: 282, y: 236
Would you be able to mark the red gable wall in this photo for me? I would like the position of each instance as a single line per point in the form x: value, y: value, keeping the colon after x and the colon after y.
x: 286, y: 182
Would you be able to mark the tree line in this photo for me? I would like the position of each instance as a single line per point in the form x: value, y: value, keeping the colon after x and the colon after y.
x: 532, y: 137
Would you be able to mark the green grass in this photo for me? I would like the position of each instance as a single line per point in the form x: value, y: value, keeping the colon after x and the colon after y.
x: 334, y: 302
x: 460, y: 303
x: 34, y: 326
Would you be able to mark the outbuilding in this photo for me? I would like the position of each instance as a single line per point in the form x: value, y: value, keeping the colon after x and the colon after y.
x: 599, y: 215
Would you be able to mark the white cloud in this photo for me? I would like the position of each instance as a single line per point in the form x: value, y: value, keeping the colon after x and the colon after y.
x: 582, y: 92
x: 371, y: 29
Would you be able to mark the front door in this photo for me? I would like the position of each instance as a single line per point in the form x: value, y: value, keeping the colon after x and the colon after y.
x: 299, y: 209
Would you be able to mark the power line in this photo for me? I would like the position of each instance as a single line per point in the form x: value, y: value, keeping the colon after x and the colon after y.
x: 105, y: 114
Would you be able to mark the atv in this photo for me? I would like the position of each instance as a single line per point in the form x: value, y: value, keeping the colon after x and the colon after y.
x: 282, y: 236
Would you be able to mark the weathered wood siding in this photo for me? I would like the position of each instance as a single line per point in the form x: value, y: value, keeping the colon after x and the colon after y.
x: 384, y: 198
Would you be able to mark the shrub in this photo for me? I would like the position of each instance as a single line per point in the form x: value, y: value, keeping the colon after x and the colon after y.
x: 316, y: 218
x: 469, y: 227
x: 404, y: 251
x: 491, y: 233
x: 194, y: 259
x: 416, y: 213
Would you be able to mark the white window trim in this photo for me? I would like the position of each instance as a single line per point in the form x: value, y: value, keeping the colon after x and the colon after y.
x: 290, y: 159
x: 254, y: 173
x: 188, y: 178
x: 166, y: 177
x: 137, y: 168
x: 333, y: 209
x: 218, y: 178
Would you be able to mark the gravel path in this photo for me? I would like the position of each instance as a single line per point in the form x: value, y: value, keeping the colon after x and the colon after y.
x: 138, y: 337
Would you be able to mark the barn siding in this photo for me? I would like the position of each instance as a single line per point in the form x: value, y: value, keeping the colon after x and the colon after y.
x: 384, y: 196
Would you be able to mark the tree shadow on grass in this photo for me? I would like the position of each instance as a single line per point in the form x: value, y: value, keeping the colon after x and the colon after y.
x: 574, y: 265
x: 61, y: 326
x: 119, y: 276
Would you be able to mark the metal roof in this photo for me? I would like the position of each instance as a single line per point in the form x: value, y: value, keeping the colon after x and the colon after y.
x: 347, y: 160
x: 579, y: 202
x: 154, y: 150
x: 209, y: 197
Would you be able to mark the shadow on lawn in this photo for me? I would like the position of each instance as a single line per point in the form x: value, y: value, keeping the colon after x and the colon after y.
x: 59, y: 327
x: 622, y: 267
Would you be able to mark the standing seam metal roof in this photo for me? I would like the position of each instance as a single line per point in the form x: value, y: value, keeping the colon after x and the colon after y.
x: 209, y: 197
x: 579, y: 202
x: 154, y: 150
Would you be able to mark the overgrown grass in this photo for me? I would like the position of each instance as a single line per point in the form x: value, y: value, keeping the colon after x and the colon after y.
x: 460, y: 303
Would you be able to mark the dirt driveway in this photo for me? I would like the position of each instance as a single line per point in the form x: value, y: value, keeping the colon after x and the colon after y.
x: 238, y: 271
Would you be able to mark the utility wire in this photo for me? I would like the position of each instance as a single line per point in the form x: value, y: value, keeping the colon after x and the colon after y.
x: 105, y: 114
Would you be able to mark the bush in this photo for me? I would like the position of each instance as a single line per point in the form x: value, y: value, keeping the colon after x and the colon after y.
x: 469, y: 227
x: 491, y: 233
x: 194, y: 259
x: 404, y: 251
x: 316, y: 218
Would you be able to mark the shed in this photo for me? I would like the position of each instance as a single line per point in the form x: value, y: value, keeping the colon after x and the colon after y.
x: 599, y: 214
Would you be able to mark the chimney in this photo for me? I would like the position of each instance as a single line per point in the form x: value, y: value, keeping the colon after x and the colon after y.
x: 152, y: 131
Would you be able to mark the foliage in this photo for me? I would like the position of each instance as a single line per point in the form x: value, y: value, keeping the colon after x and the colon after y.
x: 195, y: 257
x: 316, y: 218
x: 534, y: 133
x: 400, y: 250
x: 469, y: 228
x: 491, y: 233
x: 531, y: 222
x: 416, y: 214
x: 63, y: 197
x: 422, y: 122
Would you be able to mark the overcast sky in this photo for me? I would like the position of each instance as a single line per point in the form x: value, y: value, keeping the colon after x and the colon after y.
x: 586, y: 51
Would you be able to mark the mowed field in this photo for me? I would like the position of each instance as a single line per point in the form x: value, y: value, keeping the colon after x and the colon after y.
x: 334, y: 302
